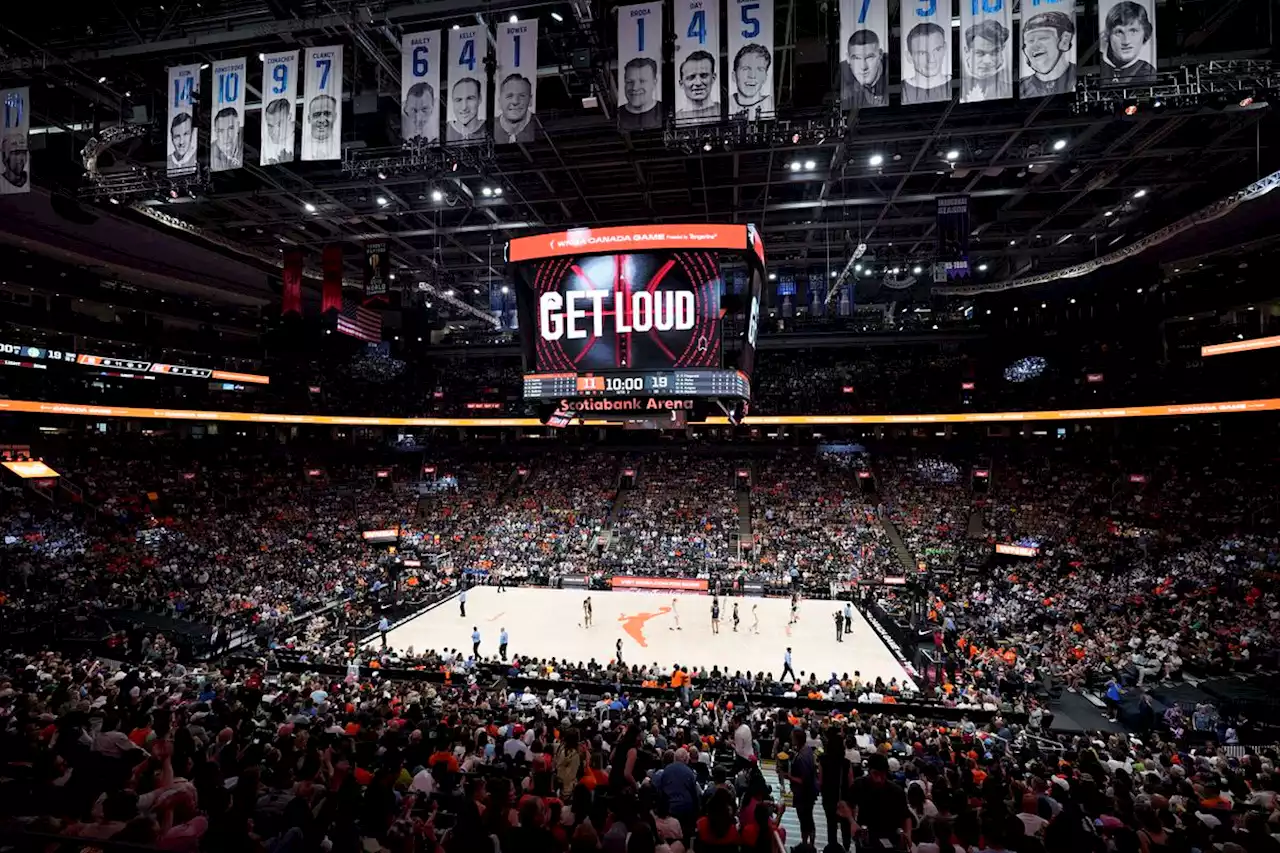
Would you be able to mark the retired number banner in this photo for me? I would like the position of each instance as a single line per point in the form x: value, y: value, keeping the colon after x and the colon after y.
x: 864, y: 53
x: 1048, y: 50
x: 183, y: 139
x: 1127, y: 38
x: 420, y: 87
x: 279, y: 93
x: 640, y: 104
x: 926, y: 51
x: 15, y: 167
x: 226, y: 132
x: 986, y: 51
x: 517, y: 84
x: 751, y: 66
x: 322, y: 104
x: 468, y: 49
x: 697, y: 62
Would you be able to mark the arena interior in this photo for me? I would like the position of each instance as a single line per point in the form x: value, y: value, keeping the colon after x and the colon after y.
x: 755, y: 426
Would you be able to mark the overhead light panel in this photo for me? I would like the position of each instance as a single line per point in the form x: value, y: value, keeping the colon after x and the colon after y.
x: 1059, y: 144
x: 953, y: 155
x: 876, y: 159
x: 309, y: 207
x: 809, y: 165
x: 382, y: 201
x: 795, y: 165
x: 514, y: 17
x: 1139, y: 193
x: 557, y: 17
x: 982, y: 267
x: 436, y: 195
x: 486, y: 191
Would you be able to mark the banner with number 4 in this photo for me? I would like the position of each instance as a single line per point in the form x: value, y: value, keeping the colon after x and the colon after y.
x: 467, y: 108
x: 697, y: 62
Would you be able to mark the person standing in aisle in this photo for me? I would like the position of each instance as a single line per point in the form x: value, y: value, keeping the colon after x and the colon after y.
x: 735, y: 617
x: 502, y: 645
x: 786, y: 665
x: 715, y: 616
x: 839, y: 627
x: 848, y: 617
x: 462, y: 603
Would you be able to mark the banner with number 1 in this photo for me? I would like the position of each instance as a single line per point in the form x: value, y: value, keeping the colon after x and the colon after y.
x: 697, y: 62
x: 322, y: 104
x: 640, y: 36
x: 516, y: 87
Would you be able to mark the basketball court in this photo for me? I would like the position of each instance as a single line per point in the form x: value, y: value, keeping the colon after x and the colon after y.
x: 548, y: 623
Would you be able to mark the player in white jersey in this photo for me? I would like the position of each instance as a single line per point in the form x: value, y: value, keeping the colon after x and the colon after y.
x: 755, y: 619
x: 675, y: 614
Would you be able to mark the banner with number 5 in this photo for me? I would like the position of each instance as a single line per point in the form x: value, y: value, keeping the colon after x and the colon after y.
x: 751, y: 65
x: 420, y: 87
x: 926, y: 51
x: 864, y: 53
x: 468, y: 82
x: 279, y: 107
x: 697, y: 61
x: 322, y: 104
x: 640, y: 37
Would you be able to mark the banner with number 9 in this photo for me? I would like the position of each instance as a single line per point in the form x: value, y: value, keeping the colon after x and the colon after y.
x: 926, y: 51
x: 322, y: 104
x: 420, y: 87
x: 640, y: 38
x: 279, y: 107
x: 697, y: 62
x: 751, y: 65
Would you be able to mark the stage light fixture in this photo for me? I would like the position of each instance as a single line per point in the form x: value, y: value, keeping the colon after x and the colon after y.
x: 1246, y: 101
x: 773, y: 276
x: 834, y: 273
x: 1131, y: 109
x: 809, y: 165
x: 795, y: 165
x: 514, y: 17
x: 505, y: 289
x: 1013, y: 242
x: 1139, y: 193
x: 1059, y: 144
x: 857, y: 267
x: 382, y: 174
x: 1107, y: 213
x: 795, y: 139
x: 436, y: 195
x: 457, y: 26
x: 497, y: 191
x: 706, y: 146
x: 309, y: 207
x: 953, y: 155
x: 876, y: 160
x: 557, y: 17
x: 982, y: 267
x: 486, y: 191
x: 1073, y: 300
x: 382, y: 201
x: 916, y: 270
x: 262, y: 57
x: 114, y: 200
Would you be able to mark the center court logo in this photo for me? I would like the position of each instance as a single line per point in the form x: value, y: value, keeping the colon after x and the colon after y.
x: 633, y: 624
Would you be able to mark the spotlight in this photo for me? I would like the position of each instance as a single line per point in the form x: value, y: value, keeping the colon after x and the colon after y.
x: 114, y: 200
x: 487, y: 191
x: 1139, y: 193
x: 1013, y: 242
x: 382, y: 201
x: 876, y: 160
x: 809, y: 165
x: 916, y: 270
x: 857, y: 267
x: 309, y: 207
x: 795, y: 165
x: 1131, y: 109
x: 1246, y: 101
x: 982, y: 267
x: 953, y: 155
x: 262, y: 57
x: 436, y: 195
x: 773, y: 276
x: 1073, y: 300
x: 505, y: 289
x: 557, y: 17
x: 1059, y: 144
x: 834, y: 273
x: 173, y: 193
x: 453, y: 165
x: 514, y: 17
x: 457, y: 26
x: 1044, y: 305
x: 1107, y: 213
x: 497, y: 190
x: 795, y: 139
x: 706, y: 146
x: 450, y: 291
x: 382, y: 174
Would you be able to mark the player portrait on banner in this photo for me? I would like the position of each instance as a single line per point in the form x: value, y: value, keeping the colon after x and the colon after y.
x: 517, y: 92
x: 697, y: 55
x: 15, y: 168
x: 183, y: 139
x: 640, y: 67
x: 420, y: 87
x: 226, y: 149
x: 926, y: 51
x: 279, y: 89
x: 468, y: 112
x: 322, y: 129
x: 1048, y: 54
x: 864, y: 39
x: 1128, y: 40
x: 986, y: 51
x: 751, y: 54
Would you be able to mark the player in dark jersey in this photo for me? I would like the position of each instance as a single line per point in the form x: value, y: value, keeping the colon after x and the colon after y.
x: 715, y: 616
x: 735, y: 617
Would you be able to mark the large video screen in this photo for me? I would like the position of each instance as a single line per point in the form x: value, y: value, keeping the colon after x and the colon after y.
x: 655, y: 310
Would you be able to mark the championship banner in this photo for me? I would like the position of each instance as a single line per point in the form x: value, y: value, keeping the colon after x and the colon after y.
x: 517, y: 82
x: 420, y: 87
x: 751, y: 59
x: 864, y: 54
x: 331, y: 290
x: 1048, y: 51
x: 184, y: 139
x: 926, y: 51
x: 817, y: 295
x: 787, y: 295
x: 986, y: 51
x: 467, y: 111
x: 697, y: 58
x: 15, y: 167
x: 322, y: 104
x: 953, y: 238
x: 279, y: 93
x: 640, y: 67
x: 291, y: 293
x: 1127, y: 35
x: 377, y: 266
x: 226, y: 133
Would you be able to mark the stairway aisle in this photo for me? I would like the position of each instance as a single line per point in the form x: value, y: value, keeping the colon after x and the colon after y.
x: 900, y: 549
x: 790, y: 822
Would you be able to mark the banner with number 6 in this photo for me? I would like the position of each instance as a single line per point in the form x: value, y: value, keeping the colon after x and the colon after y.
x: 468, y: 81
x: 864, y: 53
x: 420, y: 87
x: 751, y: 65
x: 226, y: 134
x: 697, y: 62
x: 640, y: 35
x: 279, y: 107
x: 322, y: 104
x: 926, y: 51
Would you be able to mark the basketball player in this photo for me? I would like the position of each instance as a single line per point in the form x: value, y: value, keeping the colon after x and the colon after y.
x: 502, y: 587
x: 586, y: 612
x: 755, y: 619
x: 795, y: 608
x: 715, y: 616
x: 735, y: 617
x: 619, y: 647
x: 675, y: 614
